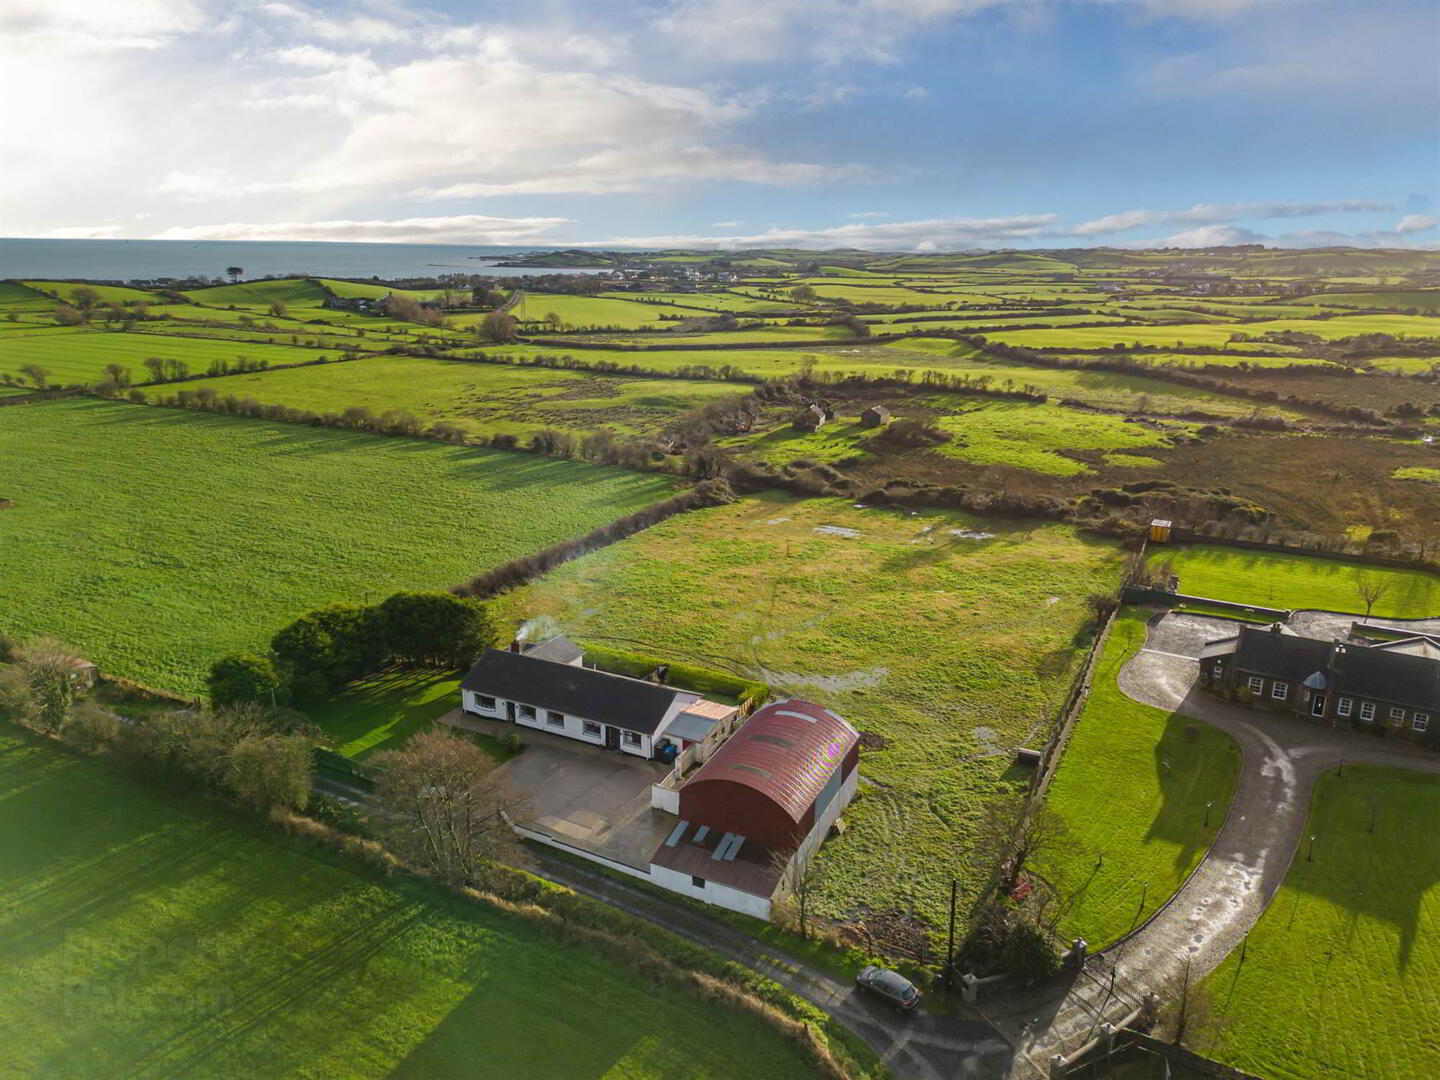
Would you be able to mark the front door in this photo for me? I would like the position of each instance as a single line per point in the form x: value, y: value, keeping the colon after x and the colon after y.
x: 1317, y: 704
x: 612, y: 738
x: 510, y: 711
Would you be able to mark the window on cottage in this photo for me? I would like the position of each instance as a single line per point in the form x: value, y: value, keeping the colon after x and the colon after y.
x: 1343, y: 706
x: 555, y: 719
x: 1421, y: 721
x: 1367, y: 710
x: 1397, y: 714
x: 485, y: 702
x: 1217, y: 670
x: 1279, y: 690
x: 697, y: 881
x: 1257, y: 684
x: 527, y: 711
x: 630, y: 738
x: 591, y: 728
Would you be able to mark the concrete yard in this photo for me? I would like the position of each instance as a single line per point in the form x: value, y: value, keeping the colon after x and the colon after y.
x: 583, y: 796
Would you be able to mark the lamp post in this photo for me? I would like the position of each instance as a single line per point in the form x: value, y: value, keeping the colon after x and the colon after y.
x: 1310, y: 855
x: 1208, y: 805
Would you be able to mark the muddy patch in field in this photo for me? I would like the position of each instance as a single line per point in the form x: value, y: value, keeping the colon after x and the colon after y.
x: 835, y: 684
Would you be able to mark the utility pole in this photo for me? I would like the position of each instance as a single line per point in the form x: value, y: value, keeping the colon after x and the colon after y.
x: 950, y: 938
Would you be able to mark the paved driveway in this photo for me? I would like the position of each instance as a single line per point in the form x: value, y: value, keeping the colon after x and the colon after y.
x: 1282, y: 757
x: 589, y: 798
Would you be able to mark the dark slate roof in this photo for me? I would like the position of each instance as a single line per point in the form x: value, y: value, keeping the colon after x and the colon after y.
x: 578, y: 691
x: 560, y: 649
x: 1280, y: 655
x: 1403, y: 678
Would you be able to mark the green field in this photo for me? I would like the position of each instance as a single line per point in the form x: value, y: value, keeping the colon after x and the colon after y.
x: 1395, y: 299
x: 1218, y: 334
x: 483, y: 398
x: 1026, y: 435
x: 1132, y: 791
x: 1418, y: 472
x: 299, y: 292
x: 109, y: 294
x: 1341, y: 976
x: 351, y: 289
x: 1279, y: 580
x: 156, y: 540
x: 82, y: 357
x: 954, y: 648
x: 590, y: 312
x: 165, y: 937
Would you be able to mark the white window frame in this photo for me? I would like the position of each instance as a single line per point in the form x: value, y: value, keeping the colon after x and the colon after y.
x: 1344, y: 706
x: 1397, y: 714
x: 1280, y: 690
x: 590, y: 727
x: 1421, y: 721
x: 554, y: 719
x: 629, y: 738
x: 525, y: 712
x: 1367, y: 710
x: 1216, y: 670
x: 1256, y: 684
x: 484, y: 702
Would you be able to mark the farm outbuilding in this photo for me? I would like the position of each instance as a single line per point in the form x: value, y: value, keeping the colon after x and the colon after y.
x: 810, y: 418
x: 773, y: 789
x: 875, y: 416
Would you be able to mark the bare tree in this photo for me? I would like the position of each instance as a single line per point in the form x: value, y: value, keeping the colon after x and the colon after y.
x: 1016, y: 832
x: 270, y: 771
x: 1371, y: 587
x: 800, y: 879
x: 36, y: 374
x: 84, y: 297
x: 440, y: 805
x: 48, y: 667
x: 119, y: 374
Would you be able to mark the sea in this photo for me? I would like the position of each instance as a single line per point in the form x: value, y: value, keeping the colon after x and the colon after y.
x: 126, y: 260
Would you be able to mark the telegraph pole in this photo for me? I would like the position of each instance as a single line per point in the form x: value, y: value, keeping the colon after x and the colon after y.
x: 950, y: 939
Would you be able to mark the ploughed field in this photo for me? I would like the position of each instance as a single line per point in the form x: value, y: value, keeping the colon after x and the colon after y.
x: 156, y: 540
x: 948, y: 638
x: 167, y: 937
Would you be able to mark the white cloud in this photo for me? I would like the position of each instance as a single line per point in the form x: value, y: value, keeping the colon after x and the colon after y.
x: 1204, y: 236
x: 81, y: 27
x: 456, y: 229
x: 938, y: 234
x: 860, y: 215
x: 1220, y: 213
x: 347, y: 29
x: 79, y: 232
x: 724, y: 224
x: 1413, y: 223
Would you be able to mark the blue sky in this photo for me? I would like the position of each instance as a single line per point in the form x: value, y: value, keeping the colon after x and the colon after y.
x: 888, y: 124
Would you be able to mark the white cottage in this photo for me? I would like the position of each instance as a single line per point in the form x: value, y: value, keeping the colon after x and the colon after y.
x: 547, y: 687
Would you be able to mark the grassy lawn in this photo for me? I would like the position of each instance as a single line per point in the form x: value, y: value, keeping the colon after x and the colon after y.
x: 1218, y: 334
x: 382, y: 711
x: 165, y: 938
x: 484, y: 399
x: 1341, y: 976
x: 156, y: 540
x: 954, y: 648
x: 1132, y: 790
x: 1281, y: 580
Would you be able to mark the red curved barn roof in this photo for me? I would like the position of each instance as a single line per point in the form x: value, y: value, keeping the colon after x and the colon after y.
x: 786, y: 751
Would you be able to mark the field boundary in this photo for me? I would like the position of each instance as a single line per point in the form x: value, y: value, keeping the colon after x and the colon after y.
x: 1182, y: 535
x: 1070, y: 711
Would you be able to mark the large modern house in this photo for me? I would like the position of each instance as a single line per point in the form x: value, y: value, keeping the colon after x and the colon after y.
x: 548, y: 687
x: 1391, y: 683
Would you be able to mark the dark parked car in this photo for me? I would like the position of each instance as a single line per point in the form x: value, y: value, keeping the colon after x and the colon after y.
x: 889, y: 986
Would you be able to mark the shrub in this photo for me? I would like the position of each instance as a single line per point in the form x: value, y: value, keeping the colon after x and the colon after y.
x: 246, y: 677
